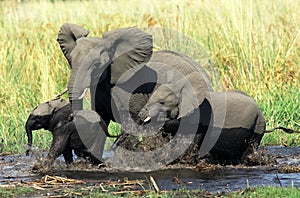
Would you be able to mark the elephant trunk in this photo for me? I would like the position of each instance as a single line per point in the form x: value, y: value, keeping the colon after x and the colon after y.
x: 80, y: 79
x: 150, y: 112
x: 76, y: 103
x: 76, y: 93
x: 28, y: 128
x: 67, y: 39
x: 35, y: 122
x: 144, y: 116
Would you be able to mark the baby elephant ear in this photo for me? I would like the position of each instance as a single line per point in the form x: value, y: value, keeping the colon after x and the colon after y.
x: 57, y: 104
x: 67, y: 36
x: 47, y: 108
x: 132, y: 47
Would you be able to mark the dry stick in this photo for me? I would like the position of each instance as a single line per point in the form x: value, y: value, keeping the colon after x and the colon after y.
x: 278, y: 180
x: 102, y: 188
x: 125, y: 183
x: 58, y: 180
x: 62, y: 93
x: 131, y: 192
x: 154, y: 184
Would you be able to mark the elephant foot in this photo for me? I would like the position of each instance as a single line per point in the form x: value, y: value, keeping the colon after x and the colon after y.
x: 37, y: 166
x: 41, y: 167
x: 259, y: 157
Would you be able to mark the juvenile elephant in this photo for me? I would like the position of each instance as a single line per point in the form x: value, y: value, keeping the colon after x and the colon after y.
x: 236, y: 127
x: 57, y: 117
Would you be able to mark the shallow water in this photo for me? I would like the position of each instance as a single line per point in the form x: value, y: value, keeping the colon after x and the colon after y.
x: 214, y: 179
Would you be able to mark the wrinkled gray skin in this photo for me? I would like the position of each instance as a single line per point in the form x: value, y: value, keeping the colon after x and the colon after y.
x: 57, y: 117
x: 237, y: 116
x: 98, y: 63
x: 120, y: 60
x: 243, y: 128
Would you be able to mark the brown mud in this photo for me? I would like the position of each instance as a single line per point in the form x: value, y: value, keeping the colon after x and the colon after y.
x: 279, y: 167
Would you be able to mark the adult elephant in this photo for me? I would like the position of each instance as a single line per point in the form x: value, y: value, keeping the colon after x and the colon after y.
x: 123, y: 57
x: 95, y: 61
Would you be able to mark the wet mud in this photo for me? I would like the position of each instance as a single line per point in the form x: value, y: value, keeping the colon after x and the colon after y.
x: 279, y: 167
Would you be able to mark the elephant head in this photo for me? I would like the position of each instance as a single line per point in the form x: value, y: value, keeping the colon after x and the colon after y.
x: 93, y: 59
x: 40, y: 117
x: 176, y: 100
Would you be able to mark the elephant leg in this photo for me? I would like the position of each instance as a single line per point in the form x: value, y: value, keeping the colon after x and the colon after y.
x: 257, y: 135
x: 93, y: 159
x: 68, y: 156
x: 103, y: 103
x: 58, y: 146
x: 252, y: 145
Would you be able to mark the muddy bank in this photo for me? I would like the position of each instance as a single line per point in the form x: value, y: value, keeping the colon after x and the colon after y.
x: 284, y: 171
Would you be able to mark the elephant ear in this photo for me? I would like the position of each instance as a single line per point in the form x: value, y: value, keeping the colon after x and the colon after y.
x: 132, y: 48
x: 192, y: 91
x: 67, y: 36
x: 90, y: 115
x: 57, y: 104
x: 49, y: 107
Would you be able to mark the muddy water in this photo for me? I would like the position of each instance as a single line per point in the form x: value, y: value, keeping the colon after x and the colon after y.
x: 284, y: 171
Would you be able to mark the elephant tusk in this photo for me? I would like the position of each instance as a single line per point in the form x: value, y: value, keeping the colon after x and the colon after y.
x: 83, y: 94
x: 147, y: 119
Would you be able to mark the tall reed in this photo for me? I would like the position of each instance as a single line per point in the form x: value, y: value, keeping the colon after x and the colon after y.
x: 254, y: 45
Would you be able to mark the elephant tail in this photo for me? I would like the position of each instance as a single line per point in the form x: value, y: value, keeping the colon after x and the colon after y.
x: 286, y: 130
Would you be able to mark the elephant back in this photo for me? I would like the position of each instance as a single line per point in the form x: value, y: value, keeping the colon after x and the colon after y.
x: 181, y: 65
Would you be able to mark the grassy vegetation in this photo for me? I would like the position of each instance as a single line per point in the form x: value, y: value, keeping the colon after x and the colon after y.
x: 267, y: 192
x: 97, y: 192
x: 255, y: 45
x: 16, y: 192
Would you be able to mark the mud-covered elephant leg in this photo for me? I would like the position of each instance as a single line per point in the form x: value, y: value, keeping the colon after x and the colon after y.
x: 58, y: 146
x: 67, y: 151
x: 257, y: 135
x: 68, y: 156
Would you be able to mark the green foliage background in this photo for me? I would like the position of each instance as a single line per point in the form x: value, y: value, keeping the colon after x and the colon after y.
x: 255, y: 44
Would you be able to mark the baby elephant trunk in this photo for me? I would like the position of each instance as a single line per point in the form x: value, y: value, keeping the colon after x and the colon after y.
x: 31, y: 124
x: 28, y: 128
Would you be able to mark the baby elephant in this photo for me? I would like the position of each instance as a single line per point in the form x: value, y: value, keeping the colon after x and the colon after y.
x: 82, y: 131
x: 236, y: 127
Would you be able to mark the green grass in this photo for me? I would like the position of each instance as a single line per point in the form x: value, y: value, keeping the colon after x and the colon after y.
x: 16, y: 191
x: 81, y: 191
x: 255, y: 45
x: 267, y: 192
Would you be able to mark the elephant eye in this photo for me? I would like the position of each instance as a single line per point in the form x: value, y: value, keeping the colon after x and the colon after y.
x: 162, y: 102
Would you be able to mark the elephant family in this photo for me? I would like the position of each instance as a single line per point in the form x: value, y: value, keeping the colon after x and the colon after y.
x: 235, y: 123
x: 120, y: 69
x: 57, y: 117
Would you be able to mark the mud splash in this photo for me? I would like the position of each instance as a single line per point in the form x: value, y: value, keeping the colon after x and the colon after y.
x: 284, y: 171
